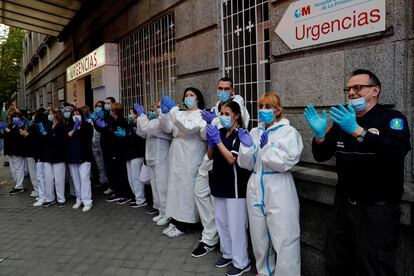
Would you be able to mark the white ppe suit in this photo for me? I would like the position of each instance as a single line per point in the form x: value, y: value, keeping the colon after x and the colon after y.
x: 202, y: 193
x: 157, y: 145
x: 186, y: 154
x: 272, y: 200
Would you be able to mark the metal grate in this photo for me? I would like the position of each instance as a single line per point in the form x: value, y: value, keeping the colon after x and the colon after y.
x: 246, y: 49
x: 147, y: 63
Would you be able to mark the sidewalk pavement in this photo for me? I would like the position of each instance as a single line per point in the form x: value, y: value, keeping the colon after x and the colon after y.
x: 110, y: 239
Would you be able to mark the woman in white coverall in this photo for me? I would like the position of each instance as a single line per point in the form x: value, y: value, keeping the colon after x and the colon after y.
x: 271, y: 150
x: 156, y: 156
x: 186, y: 154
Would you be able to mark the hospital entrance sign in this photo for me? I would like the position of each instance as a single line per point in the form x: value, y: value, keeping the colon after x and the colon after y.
x: 312, y: 22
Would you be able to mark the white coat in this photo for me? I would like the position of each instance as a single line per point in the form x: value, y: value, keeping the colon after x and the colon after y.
x: 187, y: 150
x: 272, y: 200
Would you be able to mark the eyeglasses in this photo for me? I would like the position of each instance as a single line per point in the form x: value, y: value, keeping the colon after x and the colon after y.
x: 357, y: 88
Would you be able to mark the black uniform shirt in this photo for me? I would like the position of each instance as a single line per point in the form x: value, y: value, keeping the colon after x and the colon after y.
x: 228, y: 181
x: 371, y: 170
x: 135, y: 145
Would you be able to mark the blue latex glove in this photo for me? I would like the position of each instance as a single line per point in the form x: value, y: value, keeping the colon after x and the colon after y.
x: 213, y: 136
x: 92, y: 116
x: 208, y: 116
x: 166, y: 104
x: 264, y: 139
x: 42, y: 129
x: 120, y: 132
x: 245, y: 137
x: 76, y: 125
x: 99, y: 114
x: 100, y: 123
x: 3, y: 125
x: 139, y: 109
x: 317, y: 123
x: 345, y: 118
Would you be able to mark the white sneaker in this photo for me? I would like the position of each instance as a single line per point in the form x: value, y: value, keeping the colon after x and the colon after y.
x: 86, y: 208
x: 168, y: 229
x: 175, y: 233
x: 34, y: 194
x: 38, y: 203
x: 77, y: 205
x: 108, y: 191
x: 163, y: 221
x: 156, y: 218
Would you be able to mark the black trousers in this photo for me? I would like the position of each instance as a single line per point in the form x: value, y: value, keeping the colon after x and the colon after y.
x: 362, y: 239
x: 118, y: 177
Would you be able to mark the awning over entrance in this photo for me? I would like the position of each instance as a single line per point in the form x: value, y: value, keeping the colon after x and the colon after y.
x: 46, y: 16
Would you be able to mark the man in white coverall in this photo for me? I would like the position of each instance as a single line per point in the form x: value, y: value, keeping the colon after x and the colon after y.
x: 202, y: 193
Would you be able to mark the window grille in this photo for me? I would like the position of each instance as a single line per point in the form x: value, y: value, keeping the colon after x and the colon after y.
x: 147, y: 63
x: 246, y: 49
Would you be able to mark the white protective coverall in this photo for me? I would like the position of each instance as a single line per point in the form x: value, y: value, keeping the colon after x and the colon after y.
x: 272, y: 200
x: 97, y: 155
x: 186, y: 154
x: 202, y: 193
x: 157, y: 145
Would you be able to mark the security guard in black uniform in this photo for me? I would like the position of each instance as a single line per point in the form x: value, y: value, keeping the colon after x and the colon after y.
x: 369, y: 143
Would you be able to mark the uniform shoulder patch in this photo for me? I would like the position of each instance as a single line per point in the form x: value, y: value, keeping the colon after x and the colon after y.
x: 397, y: 124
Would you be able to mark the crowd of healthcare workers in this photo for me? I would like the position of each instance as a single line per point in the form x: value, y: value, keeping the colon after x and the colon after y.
x: 203, y: 166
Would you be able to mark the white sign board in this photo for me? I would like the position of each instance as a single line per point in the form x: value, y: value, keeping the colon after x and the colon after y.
x: 312, y: 22
x: 104, y: 55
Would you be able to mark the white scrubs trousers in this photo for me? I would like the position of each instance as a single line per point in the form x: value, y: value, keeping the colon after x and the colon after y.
x: 40, y: 177
x: 81, y: 176
x: 137, y: 186
x: 31, y: 164
x: 231, y: 221
x: 17, y: 170
x: 55, y: 181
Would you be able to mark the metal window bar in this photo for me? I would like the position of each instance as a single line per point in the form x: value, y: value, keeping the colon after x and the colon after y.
x: 246, y: 49
x: 147, y: 63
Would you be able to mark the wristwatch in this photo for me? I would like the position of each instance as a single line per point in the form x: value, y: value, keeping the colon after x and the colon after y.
x: 361, y: 137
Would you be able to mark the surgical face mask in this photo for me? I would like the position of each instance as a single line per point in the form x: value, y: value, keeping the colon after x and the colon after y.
x: 74, y: 117
x: 226, y: 121
x: 358, y: 104
x: 223, y: 96
x: 159, y: 111
x: 16, y: 121
x: 130, y: 118
x: 66, y: 115
x: 98, y: 109
x: 107, y: 107
x: 151, y: 115
x: 266, y: 115
x: 50, y: 118
x: 190, y: 102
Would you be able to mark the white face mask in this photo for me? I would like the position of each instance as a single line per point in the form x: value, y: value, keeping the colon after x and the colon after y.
x: 74, y: 117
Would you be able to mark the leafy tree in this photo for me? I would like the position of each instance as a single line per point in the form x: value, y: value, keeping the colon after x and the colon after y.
x: 11, y: 52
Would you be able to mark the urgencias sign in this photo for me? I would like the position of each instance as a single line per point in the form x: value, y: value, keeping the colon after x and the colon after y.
x: 312, y: 22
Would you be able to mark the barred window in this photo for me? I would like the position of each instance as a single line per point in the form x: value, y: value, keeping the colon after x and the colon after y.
x: 147, y: 63
x: 246, y: 49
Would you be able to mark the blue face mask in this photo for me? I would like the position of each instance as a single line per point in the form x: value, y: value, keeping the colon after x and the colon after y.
x: 98, y: 109
x: 66, y: 115
x: 223, y: 96
x: 358, y: 104
x: 50, y: 118
x: 190, y: 102
x: 130, y: 118
x: 152, y: 115
x: 225, y: 121
x: 16, y: 121
x: 107, y: 107
x: 266, y: 115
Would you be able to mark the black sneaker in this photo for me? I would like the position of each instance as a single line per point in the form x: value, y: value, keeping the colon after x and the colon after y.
x: 6, y: 164
x: 234, y: 271
x: 223, y: 262
x: 202, y: 249
x: 113, y: 198
x: 61, y: 204
x: 48, y: 203
x: 123, y: 200
x: 152, y: 211
x: 137, y: 205
x: 17, y: 191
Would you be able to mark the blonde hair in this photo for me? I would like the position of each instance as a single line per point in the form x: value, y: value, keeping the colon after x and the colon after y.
x: 272, y: 99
